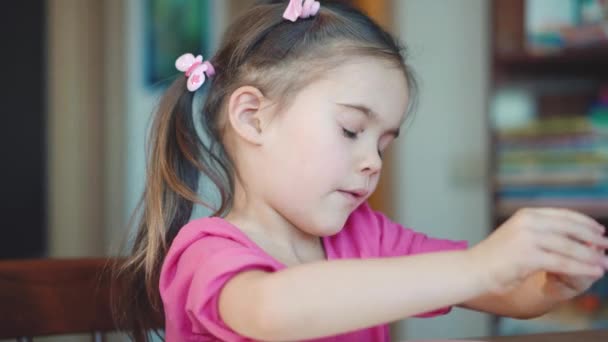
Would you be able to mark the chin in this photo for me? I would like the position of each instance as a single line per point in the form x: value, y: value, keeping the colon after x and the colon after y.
x: 329, y: 226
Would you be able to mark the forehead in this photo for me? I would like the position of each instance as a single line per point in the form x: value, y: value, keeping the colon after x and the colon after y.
x: 371, y: 82
x: 374, y: 82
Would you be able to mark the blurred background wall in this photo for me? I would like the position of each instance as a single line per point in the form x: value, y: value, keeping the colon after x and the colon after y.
x: 441, y: 162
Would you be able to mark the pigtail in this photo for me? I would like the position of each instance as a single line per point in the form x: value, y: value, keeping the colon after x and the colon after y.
x: 174, y: 165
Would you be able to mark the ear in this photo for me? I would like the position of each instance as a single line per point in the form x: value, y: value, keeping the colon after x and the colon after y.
x: 244, y: 113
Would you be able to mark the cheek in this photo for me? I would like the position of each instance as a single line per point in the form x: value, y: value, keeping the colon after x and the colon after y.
x: 328, y: 151
x: 316, y: 153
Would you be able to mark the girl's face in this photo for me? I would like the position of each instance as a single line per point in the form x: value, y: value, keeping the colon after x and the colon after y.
x: 325, y: 152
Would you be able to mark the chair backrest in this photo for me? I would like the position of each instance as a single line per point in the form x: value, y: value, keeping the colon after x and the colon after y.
x: 41, y: 297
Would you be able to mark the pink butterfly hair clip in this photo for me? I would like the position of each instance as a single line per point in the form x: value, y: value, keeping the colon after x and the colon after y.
x: 195, y: 69
x: 295, y: 9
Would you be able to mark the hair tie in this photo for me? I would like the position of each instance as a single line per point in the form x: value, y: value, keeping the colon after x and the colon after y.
x: 295, y: 9
x: 195, y: 70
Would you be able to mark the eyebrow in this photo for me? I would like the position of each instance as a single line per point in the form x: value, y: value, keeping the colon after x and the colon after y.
x: 370, y: 114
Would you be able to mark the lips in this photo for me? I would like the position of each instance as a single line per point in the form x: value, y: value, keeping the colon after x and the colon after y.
x: 355, y: 194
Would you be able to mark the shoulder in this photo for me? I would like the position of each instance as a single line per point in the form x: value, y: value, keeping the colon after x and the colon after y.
x: 365, y: 216
x: 361, y: 234
x: 203, y: 257
x: 205, y: 236
x: 366, y: 222
x: 211, y: 244
x: 370, y: 233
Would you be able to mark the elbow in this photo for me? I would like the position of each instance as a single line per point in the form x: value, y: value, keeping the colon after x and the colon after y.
x: 265, y: 328
x: 523, y: 316
x: 527, y: 310
x: 268, y: 321
x: 248, y: 306
x: 528, y: 314
x: 269, y: 314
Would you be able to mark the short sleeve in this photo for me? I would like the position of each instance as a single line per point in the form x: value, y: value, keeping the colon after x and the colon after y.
x: 395, y: 240
x: 197, y: 279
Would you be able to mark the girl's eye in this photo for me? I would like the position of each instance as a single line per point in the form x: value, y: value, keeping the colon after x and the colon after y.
x: 349, y: 134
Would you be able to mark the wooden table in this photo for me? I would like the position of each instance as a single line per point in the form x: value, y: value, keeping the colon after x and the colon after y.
x: 575, y: 336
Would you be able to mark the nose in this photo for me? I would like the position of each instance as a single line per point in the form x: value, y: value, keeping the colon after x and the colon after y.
x: 371, y: 163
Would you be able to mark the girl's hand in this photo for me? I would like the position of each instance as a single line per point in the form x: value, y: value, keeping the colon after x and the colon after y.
x: 567, y: 245
x: 563, y: 287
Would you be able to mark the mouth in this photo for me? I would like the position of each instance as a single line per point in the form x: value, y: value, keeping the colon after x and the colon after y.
x: 356, y: 195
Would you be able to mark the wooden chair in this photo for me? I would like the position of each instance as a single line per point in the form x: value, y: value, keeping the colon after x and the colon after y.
x: 42, y: 297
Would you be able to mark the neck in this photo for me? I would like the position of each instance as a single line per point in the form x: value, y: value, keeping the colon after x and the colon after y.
x: 253, y: 215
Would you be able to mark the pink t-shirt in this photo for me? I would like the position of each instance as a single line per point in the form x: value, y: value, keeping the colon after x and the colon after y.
x: 207, y: 252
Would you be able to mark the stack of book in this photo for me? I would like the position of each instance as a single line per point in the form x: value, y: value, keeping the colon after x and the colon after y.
x: 553, y: 26
x: 559, y: 162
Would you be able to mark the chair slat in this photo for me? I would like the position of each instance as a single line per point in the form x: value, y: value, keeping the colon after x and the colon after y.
x: 54, y: 296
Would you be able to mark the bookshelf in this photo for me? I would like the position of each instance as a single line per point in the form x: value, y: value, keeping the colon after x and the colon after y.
x: 549, y: 127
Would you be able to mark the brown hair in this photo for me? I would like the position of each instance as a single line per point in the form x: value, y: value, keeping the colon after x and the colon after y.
x: 260, y: 49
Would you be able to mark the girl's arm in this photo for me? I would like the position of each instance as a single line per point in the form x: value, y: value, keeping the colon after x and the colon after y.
x: 529, y: 300
x: 327, y: 298
x: 332, y: 297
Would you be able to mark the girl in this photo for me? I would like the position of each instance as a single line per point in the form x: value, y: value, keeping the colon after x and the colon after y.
x: 302, y: 101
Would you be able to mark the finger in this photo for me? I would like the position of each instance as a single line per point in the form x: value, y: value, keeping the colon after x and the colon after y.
x: 599, y: 250
x: 570, y: 248
x: 573, y: 216
x: 548, y: 224
x: 556, y: 263
x: 577, y: 284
